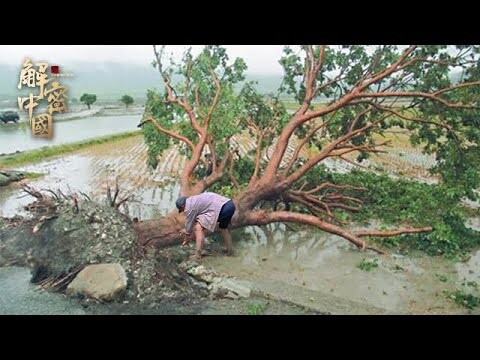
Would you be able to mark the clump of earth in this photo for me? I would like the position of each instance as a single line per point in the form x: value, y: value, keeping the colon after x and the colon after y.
x: 63, y: 236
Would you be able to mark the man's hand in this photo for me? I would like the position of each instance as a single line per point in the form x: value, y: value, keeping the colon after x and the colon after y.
x: 186, y: 240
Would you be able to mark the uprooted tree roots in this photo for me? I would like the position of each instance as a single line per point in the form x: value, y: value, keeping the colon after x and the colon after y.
x: 66, y: 232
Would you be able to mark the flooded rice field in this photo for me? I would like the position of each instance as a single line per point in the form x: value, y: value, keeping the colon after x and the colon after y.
x: 93, y: 169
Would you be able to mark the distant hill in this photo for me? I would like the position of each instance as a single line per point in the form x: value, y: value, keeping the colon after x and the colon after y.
x: 110, y: 80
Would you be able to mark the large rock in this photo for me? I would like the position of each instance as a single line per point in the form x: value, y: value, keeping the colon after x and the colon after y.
x: 100, y: 281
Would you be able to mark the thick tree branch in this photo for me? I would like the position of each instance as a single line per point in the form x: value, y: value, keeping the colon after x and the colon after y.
x: 418, y: 94
x: 302, y: 116
x: 303, y: 142
x: 327, y: 150
x: 258, y: 157
x: 171, y: 97
x: 215, y: 99
x: 263, y: 217
x: 290, y: 128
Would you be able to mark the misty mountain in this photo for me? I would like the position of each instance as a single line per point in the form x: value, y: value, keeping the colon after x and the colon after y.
x: 110, y: 80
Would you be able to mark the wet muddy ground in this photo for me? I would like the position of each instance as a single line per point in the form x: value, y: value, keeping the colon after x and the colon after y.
x: 323, y: 272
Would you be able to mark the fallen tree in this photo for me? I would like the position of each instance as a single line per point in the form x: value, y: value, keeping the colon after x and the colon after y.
x: 431, y: 91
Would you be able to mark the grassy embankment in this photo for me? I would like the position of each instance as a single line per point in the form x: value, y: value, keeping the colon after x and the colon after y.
x: 27, y: 157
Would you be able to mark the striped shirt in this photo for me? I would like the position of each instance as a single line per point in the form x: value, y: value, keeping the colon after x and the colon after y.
x: 205, y: 209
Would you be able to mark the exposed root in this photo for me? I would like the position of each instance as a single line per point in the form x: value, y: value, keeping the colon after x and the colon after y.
x: 113, y: 199
x: 59, y: 282
x: 31, y: 191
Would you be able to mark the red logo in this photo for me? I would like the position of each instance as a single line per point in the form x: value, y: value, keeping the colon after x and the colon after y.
x: 55, y: 69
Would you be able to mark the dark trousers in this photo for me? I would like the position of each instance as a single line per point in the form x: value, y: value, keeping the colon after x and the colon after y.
x: 226, y: 214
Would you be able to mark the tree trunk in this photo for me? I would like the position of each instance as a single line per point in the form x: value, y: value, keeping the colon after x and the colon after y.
x: 88, y: 106
x: 164, y: 231
x: 160, y: 232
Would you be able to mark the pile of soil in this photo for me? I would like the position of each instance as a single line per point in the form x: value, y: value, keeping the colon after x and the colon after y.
x: 63, y: 236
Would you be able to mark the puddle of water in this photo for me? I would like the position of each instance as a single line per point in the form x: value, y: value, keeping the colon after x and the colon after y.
x: 325, y: 264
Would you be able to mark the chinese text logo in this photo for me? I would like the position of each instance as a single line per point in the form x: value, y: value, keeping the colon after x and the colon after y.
x: 55, y: 93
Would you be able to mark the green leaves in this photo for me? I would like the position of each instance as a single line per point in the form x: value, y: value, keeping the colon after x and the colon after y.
x: 163, y: 113
x: 127, y: 100
x: 401, y: 202
x: 88, y: 99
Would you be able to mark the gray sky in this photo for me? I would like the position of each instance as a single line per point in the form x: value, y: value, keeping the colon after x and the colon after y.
x: 259, y: 58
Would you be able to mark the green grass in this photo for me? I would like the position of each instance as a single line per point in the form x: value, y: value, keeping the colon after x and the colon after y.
x: 255, y: 309
x: 48, y: 152
x: 33, y: 175
x: 442, y: 278
x: 368, y: 264
x: 466, y: 300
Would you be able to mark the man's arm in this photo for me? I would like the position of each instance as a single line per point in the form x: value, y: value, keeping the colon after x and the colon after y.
x: 191, y: 217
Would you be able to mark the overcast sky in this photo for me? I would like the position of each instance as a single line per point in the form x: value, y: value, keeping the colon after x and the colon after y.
x: 259, y: 58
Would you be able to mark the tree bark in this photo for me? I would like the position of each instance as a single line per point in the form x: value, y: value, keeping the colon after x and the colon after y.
x: 161, y: 232
x: 165, y: 231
